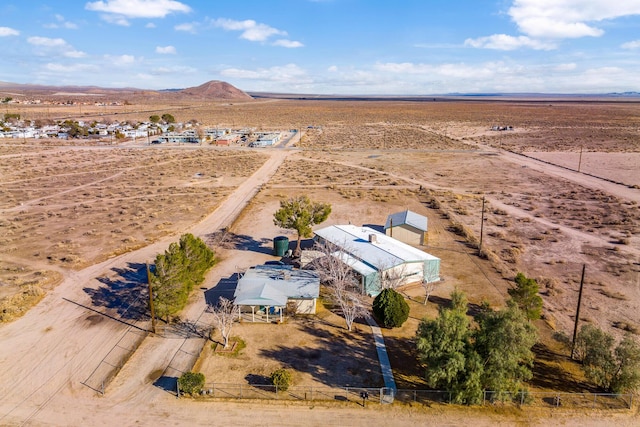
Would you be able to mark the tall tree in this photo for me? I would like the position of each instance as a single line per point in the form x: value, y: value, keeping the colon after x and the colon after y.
x: 301, y: 214
x: 526, y: 296
x: 614, y: 370
x: 182, y: 267
x: 445, y: 348
x: 504, y: 340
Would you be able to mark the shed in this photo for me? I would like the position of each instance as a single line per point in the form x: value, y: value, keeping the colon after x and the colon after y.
x: 407, y: 226
x: 372, y: 254
x: 270, y: 289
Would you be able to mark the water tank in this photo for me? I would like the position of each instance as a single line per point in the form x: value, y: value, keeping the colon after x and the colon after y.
x: 280, y: 245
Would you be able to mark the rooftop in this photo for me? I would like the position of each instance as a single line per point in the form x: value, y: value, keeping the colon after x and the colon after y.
x: 407, y: 217
x: 273, y: 286
x: 382, y: 253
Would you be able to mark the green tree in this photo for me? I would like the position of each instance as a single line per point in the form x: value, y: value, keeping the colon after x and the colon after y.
x: 281, y: 378
x: 614, y: 370
x: 525, y: 295
x: 191, y: 382
x: 504, y: 340
x: 390, y: 308
x: 445, y: 349
x: 301, y: 214
x: 168, y: 118
x: 154, y: 118
x: 182, y: 267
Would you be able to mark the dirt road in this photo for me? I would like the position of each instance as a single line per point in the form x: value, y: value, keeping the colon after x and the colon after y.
x: 46, y: 355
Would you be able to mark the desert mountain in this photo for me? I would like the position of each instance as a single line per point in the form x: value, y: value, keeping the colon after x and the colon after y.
x: 215, y: 89
x: 211, y: 90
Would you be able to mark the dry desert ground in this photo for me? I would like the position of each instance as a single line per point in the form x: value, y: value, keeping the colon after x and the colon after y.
x: 80, y: 221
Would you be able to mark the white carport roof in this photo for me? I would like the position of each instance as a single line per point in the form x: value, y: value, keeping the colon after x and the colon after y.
x: 274, y: 286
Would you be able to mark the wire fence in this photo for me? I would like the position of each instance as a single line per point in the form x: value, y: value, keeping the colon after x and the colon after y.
x: 382, y: 395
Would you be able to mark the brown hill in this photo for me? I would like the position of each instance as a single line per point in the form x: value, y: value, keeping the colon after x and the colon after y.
x: 215, y: 89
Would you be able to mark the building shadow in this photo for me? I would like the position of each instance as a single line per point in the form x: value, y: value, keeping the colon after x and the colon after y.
x: 225, y: 287
x: 126, y: 292
x: 377, y: 227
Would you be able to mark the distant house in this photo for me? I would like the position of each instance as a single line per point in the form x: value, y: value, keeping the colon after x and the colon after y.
x: 374, y: 256
x: 406, y: 226
x: 271, y: 290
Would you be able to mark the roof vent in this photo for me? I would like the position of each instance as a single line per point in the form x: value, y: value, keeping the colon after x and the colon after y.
x: 372, y: 238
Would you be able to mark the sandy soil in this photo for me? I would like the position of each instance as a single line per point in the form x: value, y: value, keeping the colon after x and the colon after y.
x: 542, y: 220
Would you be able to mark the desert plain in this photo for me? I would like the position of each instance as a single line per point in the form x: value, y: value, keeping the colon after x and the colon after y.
x: 80, y: 219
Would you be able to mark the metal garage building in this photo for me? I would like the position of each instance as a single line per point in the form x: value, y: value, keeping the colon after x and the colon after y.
x: 406, y: 226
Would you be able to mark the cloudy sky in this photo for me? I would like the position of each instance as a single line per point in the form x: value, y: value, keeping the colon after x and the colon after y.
x: 326, y: 46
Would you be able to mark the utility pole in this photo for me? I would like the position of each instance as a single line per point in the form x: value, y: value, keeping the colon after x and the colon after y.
x: 481, y: 227
x: 580, y: 159
x: 575, y: 326
x: 151, y: 307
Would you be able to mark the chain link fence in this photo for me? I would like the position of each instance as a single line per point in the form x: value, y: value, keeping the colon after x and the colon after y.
x: 382, y: 395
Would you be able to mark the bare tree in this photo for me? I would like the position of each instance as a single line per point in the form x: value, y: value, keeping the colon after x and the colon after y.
x: 429, y: 287
x: 338, y: 276
x: 223, y: 318
x: 392, y: 277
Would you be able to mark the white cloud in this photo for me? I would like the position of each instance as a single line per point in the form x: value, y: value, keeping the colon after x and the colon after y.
x: 557, y: 19
x: 251, y: 30
x: 46, y: 42
x: 566, y: 67
x: 177, y: 70
x: 138, y: 8
x: 46, y: 45
x: 332, y: 69
x: 290, y: 73
x: 631, y: 45
x: 150, y: 25
x: 73, y: 68
x: 61, y: 23
x: 120, y: 60
x: 189, y: 27
x: 116, y: 20
x: 506, y: 42
x: 74, y: 54
x: 6, y: 31
x: 166, y: 50
x: 288, y: 43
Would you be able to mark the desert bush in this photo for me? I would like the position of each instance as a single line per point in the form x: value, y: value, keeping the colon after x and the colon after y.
x: 191, y: 382
x: 390, y: 308
x: 281, y: 378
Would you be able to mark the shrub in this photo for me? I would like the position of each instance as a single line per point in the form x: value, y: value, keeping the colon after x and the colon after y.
x: 390, y: 308
x: 281, y: 378
x: 191, y: 382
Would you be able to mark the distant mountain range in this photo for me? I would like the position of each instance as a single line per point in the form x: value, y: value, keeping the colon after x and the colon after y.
x: 220, y: 90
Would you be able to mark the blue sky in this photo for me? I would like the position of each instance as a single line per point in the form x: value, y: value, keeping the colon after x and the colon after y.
x: 326, y: 46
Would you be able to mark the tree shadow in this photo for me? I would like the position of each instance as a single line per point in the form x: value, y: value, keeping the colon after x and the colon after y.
x: 230, y: 240
x: 549, y: 372
x: 472, y: 309
x: 255, y: 379
x: 338, y: 358
x: 169, y: 384
x: 225, y: 287
x: 127, y: 292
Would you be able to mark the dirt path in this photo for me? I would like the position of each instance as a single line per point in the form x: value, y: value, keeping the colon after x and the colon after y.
x: 47, y: 354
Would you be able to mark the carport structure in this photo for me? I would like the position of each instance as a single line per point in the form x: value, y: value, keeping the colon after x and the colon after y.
x: 275, y: 289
